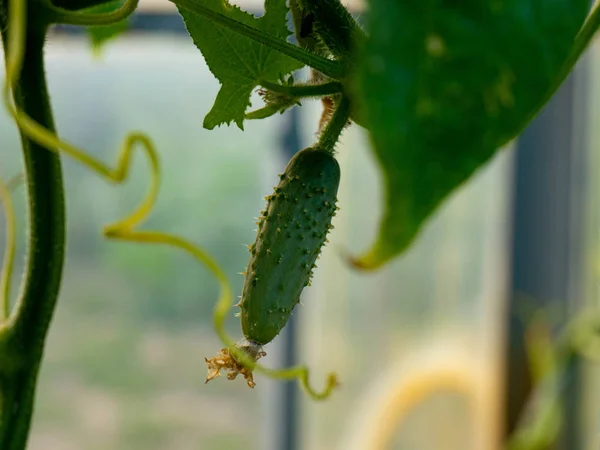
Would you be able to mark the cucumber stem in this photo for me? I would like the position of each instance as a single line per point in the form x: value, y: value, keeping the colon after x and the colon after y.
x: 332, y: 131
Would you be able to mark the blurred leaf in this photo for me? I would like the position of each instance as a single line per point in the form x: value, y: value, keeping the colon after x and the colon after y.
x: 444, y: 84
x: 100, y: 35
x: 238, y: 62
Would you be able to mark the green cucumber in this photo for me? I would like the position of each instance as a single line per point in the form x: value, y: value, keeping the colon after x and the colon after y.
x: 291, y: 233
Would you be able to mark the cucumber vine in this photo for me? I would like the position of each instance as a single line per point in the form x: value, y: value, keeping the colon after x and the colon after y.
x: 385, y: 78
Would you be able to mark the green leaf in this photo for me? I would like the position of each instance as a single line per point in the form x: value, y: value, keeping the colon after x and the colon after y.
x: 238, y: 62
x: 100, y: 35
x: 443, y: 85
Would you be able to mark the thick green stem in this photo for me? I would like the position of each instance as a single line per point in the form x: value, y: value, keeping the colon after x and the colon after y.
x: 31, y: 317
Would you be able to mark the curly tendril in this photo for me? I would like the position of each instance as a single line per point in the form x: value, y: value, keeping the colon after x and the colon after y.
x: 125, y: 229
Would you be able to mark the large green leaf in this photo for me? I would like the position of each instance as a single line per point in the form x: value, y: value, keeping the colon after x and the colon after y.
x: 443, y: 85
x: 238, y: 62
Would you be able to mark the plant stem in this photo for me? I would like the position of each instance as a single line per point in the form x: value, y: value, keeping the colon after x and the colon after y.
x: 326, y: 66
x: 304, y: 90
x: 31, y: 317
x: 335, y: 126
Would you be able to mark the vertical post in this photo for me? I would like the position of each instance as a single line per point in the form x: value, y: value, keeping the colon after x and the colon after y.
x: 549, y: 182
x: 290, y: 141
x: 282, y: 408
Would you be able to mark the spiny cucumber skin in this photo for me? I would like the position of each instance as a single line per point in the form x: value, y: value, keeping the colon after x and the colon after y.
x: 291, y: 232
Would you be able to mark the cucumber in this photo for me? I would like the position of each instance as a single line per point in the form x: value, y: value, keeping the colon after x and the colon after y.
x: 291, y: 233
